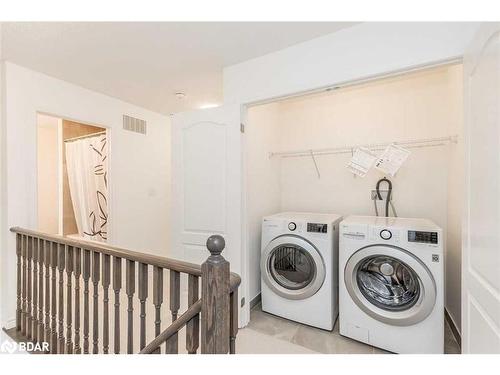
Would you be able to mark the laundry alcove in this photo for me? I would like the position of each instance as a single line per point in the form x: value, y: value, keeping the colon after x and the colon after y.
x: 423, y: 104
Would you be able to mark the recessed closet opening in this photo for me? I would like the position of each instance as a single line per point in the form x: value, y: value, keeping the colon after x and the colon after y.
x: 297, y: 151
x: 72, y: 191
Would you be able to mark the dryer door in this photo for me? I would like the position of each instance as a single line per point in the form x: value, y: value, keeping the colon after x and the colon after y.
x: 292, y: 267
x: 390, y: 284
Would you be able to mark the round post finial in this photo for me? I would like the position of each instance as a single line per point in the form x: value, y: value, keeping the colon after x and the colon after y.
x: 215, y: 244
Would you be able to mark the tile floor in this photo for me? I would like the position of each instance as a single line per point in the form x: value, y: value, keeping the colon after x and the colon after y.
x: 269, y: 334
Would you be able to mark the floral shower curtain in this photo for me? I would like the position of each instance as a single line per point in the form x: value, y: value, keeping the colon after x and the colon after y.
x: 86, y: 161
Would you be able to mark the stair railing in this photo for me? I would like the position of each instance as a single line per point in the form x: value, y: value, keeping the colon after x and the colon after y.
x: 52, y: 308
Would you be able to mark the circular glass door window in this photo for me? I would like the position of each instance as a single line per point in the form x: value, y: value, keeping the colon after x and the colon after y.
x: 388, y: 283
x: 291, y: 266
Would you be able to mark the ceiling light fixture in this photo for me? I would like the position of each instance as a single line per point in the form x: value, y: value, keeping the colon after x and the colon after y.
x: 209, y: 105
x: 180, y: 95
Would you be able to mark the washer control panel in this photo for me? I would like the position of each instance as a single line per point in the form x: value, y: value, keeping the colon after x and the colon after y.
x: 378, y: 233
x: 385, y: 234
x: 317, y: 228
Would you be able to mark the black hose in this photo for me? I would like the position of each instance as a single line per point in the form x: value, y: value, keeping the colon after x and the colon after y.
x: 389, y: 192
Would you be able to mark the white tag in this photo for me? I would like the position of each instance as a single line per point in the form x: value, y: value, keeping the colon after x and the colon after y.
x: 361, y: 161
x: 392, y: 159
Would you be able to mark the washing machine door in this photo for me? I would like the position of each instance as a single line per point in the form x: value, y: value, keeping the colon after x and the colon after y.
x: 390, y: 284
x: 292, y: 267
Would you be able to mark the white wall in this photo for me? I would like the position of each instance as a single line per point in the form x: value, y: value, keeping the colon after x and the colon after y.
x: 263, y: 181
x: 139, y: 168
x: 420, y: 105
x: 3, y: 201
x: 358, y: 52
x: 48, y: 173
x: 456, y: 193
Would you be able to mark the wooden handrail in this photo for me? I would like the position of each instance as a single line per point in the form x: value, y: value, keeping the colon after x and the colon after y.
x: 173, y: 328
x: 153, y: 260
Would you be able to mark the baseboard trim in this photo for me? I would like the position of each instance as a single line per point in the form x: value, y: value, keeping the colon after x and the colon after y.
x: 255, y: 301
x: 453, y: 326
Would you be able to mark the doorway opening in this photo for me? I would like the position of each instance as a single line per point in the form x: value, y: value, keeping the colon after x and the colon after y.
x: 72, y: 178
x: 297, y: 150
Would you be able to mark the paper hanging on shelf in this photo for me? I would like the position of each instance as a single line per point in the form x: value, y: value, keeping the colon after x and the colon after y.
x: 392, y: 159
x: 361, y: 161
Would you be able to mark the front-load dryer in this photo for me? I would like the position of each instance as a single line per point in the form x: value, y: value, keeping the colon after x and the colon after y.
x: 391, y: 283
x: 299, y: 267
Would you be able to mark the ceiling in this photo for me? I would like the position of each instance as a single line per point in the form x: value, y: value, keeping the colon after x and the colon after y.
x: 146, y: 63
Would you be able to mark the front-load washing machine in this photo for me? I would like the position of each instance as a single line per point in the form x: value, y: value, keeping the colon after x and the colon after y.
x: 299, y: 267
x: 391, y: 283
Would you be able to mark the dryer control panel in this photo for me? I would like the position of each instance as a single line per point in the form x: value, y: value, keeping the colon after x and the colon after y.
x: 423, y: 237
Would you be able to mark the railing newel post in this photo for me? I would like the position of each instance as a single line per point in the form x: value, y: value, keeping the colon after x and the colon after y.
x: 215, y: 309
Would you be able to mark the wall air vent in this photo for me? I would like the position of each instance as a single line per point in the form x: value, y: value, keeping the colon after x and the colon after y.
x: 134, y: 124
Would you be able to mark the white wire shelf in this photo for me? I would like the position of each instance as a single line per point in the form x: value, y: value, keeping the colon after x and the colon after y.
x: 413, y: 143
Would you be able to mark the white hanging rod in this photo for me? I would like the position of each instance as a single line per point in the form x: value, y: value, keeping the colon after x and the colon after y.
x: 414, y: 143
x: 85, y: 136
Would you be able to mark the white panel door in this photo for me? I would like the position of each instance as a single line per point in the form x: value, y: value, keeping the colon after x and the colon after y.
x: 481, y: 247
x: 207, y: 184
